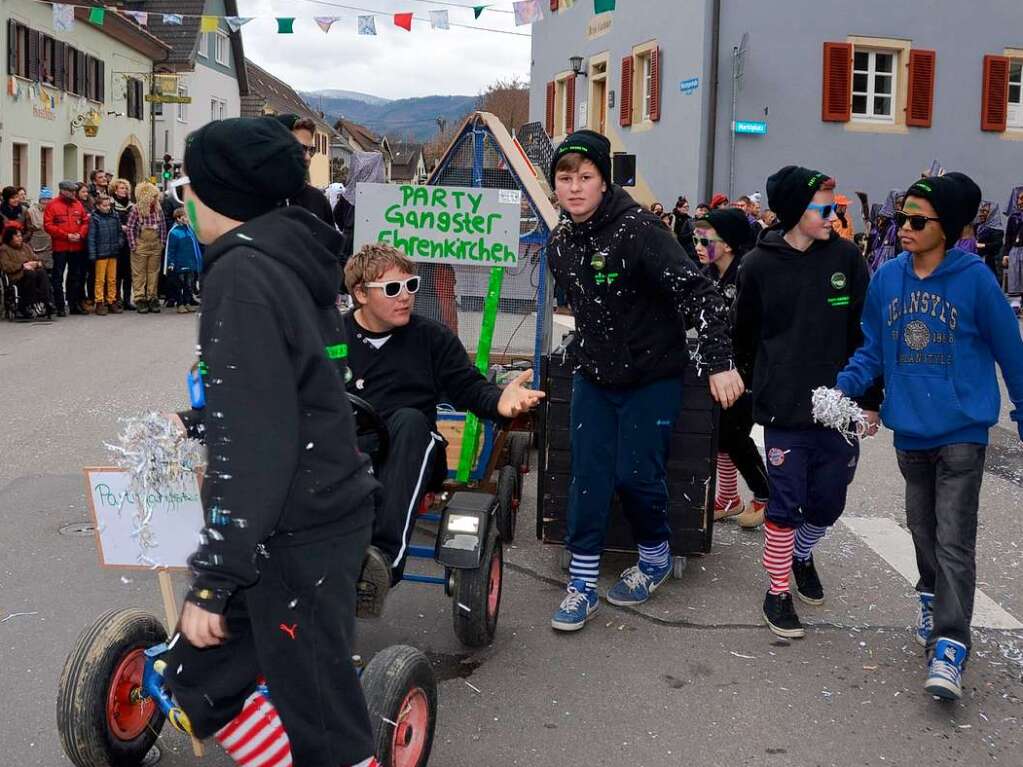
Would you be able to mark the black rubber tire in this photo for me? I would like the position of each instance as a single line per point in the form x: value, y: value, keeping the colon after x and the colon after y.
x: 518, y: 451
x: 474, y: 627
x: 85, y: 683
x: 507, y: 502
x: 392, y: 674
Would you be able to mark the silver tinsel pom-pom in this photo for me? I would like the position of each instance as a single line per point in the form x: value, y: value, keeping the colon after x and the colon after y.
x: 831, y: 408
x: 158, y: 457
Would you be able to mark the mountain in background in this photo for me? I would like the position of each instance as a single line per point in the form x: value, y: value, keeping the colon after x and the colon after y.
x: 415, y: 118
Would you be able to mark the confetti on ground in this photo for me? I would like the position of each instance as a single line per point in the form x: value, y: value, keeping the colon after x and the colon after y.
x: 16, y: 615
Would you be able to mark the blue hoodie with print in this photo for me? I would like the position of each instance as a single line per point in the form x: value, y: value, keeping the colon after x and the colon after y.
x: 936, y: 340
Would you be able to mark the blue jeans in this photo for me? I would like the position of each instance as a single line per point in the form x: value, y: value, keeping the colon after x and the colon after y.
x: 620, y: 440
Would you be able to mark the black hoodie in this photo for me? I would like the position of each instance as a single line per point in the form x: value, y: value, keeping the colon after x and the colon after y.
x: 282, y: 455
x: 797, y: 323
x: 634, y: 291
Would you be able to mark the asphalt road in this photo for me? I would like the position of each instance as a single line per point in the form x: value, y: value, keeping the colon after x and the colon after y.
x: 692, y: 678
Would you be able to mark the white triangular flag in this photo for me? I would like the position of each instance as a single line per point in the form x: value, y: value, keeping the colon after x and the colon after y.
x: 439, y: 20
x: 173, y: 19
x: 141, y: 17
x: 367, y: 25
x: 235, y: 23
x: 325, y: 22
x: 63, y: 17
x: 527, y: 12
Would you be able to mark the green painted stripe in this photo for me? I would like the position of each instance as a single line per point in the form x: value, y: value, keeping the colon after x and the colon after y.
x: 337, y: 352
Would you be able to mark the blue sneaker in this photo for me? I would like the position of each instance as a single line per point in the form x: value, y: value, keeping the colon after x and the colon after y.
x: 925, y: 619
x: 637, y: 584
x: 579, y: 604
x: 945, y: 672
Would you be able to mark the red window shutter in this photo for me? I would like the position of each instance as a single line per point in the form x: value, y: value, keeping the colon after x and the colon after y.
x: 34, y: 54
x: 550, y: 109
x: 920, y: 101
x: 570, y: 104
x: 994, y: 109
x: 655, y: 84
x: 836, y: 101
x: 625, y: 97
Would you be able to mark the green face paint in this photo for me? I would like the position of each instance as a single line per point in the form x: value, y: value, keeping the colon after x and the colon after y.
x: 193, y: 217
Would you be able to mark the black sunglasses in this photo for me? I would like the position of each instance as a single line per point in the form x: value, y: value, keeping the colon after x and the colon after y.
x: 704, y: 241
x: 309, y: 149
x: 917, y: 223
x: 392, y: 289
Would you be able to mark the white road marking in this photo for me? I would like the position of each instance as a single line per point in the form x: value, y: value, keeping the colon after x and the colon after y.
x: 895, y: 546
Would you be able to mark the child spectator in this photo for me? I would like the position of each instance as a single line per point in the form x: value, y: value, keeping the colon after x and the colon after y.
x: 105, y: 240
x: 182, y: 262
x: 147, y: 233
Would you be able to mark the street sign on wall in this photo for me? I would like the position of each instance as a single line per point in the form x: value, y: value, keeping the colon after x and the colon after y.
x: 750, y: 127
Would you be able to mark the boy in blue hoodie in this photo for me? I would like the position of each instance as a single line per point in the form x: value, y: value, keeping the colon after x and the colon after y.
x: 182, y: 262
x: 935, y: 322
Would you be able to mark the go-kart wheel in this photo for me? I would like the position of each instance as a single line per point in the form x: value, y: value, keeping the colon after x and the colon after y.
x: 101, y: 718
x: 477, y: 599
x: 401, y: 695
x: 507, y: 502
x: 518, y: 451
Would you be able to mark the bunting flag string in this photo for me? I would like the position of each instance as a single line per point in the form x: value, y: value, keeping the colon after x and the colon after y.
x: 524, y: 12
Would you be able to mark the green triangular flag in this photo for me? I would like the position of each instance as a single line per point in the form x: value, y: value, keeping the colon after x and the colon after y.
x: 285, y: 25
x: 478, y: 10
x: 603, y: 6
x: 96, y: 16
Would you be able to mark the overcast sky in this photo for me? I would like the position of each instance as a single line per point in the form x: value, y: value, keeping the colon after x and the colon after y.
x: 395, y: 63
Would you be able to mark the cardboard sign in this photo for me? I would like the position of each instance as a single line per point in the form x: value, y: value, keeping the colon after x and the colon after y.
x: 177, y: 519
x: 441, y: 224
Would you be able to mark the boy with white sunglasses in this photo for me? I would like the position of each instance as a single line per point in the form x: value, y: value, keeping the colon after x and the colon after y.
x: 404, y: 365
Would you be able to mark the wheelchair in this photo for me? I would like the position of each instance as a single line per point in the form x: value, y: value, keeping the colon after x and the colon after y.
x: 112, y: 701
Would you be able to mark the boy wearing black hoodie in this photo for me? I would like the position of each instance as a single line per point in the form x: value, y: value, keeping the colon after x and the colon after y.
x: 797, y: 316
x: 634, y: 291
x: 935, y: 323
x: 287, y: 494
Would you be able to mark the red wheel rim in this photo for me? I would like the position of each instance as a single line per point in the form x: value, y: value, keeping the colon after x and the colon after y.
x: 494, y: 586
x: 410, y: 735
x: 128, y: 714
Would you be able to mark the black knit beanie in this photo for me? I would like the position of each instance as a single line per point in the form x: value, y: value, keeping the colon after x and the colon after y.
x: 732, y: 226
x: 244, y: 167
x: 955, y: 198
x: 790, y: 190
x: 287, y: 120
x: 592, y: 146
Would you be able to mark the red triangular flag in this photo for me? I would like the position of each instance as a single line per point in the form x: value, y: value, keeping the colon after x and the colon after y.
x: 403, y: 20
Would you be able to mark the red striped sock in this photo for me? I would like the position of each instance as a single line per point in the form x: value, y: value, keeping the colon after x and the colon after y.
x: 728, y: 483
x: 256, y: 737
x: 779, y: 543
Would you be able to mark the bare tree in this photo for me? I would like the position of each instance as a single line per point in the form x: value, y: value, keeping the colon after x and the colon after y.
x: 508, y: 100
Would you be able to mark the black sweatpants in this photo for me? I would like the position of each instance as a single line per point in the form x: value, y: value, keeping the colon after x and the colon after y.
x: 124, y: 275
x: 294, y: 626
x: 942, y: 498
x: 415, y: 463
x: 735, y: 440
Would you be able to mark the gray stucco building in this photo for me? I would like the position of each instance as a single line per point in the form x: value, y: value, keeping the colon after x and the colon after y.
x: 871, y: 93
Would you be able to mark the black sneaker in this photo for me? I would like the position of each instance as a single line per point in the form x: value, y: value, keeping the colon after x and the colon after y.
x: 808, y: 585
x: 374, y: 582
x: 780, y: 616
x: 154, y: 306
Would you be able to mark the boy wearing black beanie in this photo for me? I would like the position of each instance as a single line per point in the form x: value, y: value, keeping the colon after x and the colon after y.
x: 287, y: 494
x: 634, y: 291
x: 797, y: 318
x: 935, y: 324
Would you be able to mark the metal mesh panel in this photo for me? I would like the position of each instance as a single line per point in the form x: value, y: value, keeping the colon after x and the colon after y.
x: 535, y: 142
x: 454, y: 295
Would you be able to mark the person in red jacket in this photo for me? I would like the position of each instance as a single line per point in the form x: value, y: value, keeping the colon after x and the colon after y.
x: 67, y: 223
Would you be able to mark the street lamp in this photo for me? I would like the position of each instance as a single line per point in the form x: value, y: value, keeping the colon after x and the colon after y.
x: 576, y: 62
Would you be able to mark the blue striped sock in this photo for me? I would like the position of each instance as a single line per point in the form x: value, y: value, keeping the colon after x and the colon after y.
x: 807, y: 536
x: 655, y: 557
x: 585, y: 568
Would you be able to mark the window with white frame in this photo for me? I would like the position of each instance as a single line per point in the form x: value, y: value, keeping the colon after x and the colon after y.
x: 1016, y: 93
x: 220, y: 43
x: 204, y: 45
x: 874, y: 85
x: 218, y: 108
x: 183, y: 108
x: 561, y: 114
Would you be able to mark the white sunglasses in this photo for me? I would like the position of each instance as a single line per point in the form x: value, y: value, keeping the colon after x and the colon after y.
x: 174, y: 186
